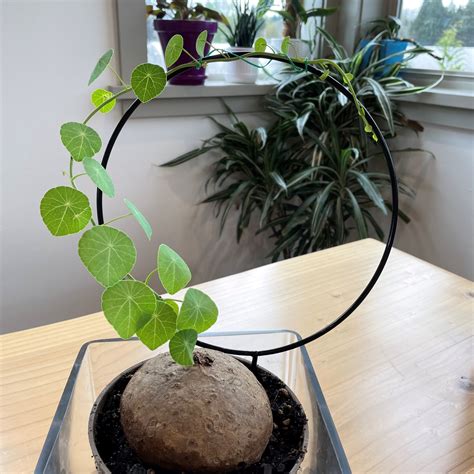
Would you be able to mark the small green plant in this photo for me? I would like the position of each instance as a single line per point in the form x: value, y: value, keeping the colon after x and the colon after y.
x: 309, y: 179
x: 130, y: 305
x: 451, y: 49
x: 294, y: 15
x: 247, y: 23
x: 181, y: 10
x: 385, y: 28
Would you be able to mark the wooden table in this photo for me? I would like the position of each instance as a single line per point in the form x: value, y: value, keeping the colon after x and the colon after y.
x: 398, y: 375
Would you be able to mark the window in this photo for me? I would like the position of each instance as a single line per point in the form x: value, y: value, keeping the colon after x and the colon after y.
x: 447, y: 26
x: 272, y: 29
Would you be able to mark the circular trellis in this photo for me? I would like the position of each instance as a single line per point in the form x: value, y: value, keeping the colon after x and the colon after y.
x: 303, y: 65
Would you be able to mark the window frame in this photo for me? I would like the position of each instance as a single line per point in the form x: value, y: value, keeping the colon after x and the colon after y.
x: 457, y: 85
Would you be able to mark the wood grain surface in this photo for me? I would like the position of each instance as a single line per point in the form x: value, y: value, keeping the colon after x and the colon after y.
x: 398, y: 375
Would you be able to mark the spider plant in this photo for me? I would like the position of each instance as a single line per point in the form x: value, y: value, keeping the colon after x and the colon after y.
x: 309, y: 178
x: 247, y: 23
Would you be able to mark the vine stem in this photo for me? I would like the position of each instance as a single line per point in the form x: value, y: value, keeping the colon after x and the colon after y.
x: 71, y: 160
x: 320, y: 62
x: 117, y: 218
x: 147, y: 279
x: 115, y: 73
x: 110, y: 99
x: 77, y: 176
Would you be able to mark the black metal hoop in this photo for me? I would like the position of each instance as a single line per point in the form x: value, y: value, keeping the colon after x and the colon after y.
x: 394, y: 194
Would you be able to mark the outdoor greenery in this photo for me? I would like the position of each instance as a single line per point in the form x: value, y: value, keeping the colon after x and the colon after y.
x: 434, y: 18
x: 130, y: 305
x: 308, y: 178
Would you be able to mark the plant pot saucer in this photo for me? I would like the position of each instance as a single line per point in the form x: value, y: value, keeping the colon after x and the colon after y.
x: 67, y: 448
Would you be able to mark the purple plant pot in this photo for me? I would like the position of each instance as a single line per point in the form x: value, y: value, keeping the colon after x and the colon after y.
x: 189, y: 30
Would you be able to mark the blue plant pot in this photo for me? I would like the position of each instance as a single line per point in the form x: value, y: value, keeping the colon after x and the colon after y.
x: 387, y: 48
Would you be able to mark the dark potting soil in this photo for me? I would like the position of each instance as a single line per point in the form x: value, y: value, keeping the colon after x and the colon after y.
x: 280, y: 456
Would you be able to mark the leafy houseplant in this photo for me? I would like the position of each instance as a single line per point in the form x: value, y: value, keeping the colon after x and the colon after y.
x: 154, y: 406
x: 294, y: 16
x: 386, y: 45
x: 309, y: 178
x: 241, y: 34
x: 178, y: 16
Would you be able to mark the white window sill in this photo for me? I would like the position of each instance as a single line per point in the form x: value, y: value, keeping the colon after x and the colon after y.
x: 208, y: 99
x: 450, y: 104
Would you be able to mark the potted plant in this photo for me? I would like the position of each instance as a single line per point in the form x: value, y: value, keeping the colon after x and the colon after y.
x: 178, y: 16
x: 389, y: 47
x: 188, y: 410
x: 382, y: 41
x: 294, y: 16
x: 312, y: 184
x: 240, y: 35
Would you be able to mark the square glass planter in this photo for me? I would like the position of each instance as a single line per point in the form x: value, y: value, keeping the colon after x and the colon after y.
x: 67, y: 450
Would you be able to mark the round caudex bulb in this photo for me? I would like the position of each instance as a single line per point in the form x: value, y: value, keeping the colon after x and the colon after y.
x: 213, y: 416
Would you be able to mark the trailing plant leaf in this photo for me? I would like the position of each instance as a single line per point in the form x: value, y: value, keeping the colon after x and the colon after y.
x: 172, y: 269
x: 108, y: 254
x: 201, y: 42
x: 198, y: 311
x: 125, y: 303
x: 285, y: 45
x: 101, y: 65
x: 99, y: 176
x: 173, y: 305
x: 158, y: 327
x: 173, y: 50
x: 140, y: 218
x: 80, y: 140
x: 148, y: 81
x: 182, y: 346
x: 260, y: 45
x: 99, y: 96
x: 65, y: 210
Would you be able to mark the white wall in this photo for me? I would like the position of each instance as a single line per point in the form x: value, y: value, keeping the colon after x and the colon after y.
x: 442, y: 227
x: 49, y: 48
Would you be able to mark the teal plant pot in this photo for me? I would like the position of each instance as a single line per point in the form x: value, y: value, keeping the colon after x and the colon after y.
x: 391, y: 52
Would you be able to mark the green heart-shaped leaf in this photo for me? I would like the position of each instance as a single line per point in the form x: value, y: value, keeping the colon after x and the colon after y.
x: 125, y: 303
x: 148, y: 81
x: 197, y: 312
x: 145, y: 225
x: 201, y: 43
x: 173, y: 305
x: 108, y: 254
x: 99, y: 176
x: 159, y: 327
x: 324, y: 75
x: 285, y: 45
x: 172, y: 269
x: 260, y: 45
x: 348, y: 77
x: 102, y: 63
x: 173, y: 51
x: 99, y: 96
x: 80, y: 140
x: 182, y: 346
x: 65, y: 210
